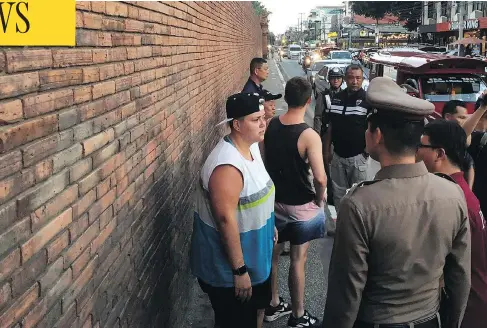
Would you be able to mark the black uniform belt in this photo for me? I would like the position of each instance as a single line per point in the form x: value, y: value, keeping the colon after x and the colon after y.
x: 423, y: 323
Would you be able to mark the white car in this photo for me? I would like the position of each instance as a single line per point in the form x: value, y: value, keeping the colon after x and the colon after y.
x: 294, y: 51
x: 341, y: 56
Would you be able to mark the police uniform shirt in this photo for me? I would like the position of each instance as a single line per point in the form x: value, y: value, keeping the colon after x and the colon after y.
x: 396, y: 237
x: 252, y: 87
x: 385, y: 266
x: 348, y: 118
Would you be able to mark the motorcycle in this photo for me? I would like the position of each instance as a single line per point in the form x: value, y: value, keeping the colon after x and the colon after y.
x: 306, y: 63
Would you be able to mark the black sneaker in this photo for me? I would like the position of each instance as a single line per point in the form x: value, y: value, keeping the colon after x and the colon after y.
x: 307, y: 320
x: 275, y: 312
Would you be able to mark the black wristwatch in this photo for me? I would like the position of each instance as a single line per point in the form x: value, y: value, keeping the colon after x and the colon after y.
x: 240, y: 271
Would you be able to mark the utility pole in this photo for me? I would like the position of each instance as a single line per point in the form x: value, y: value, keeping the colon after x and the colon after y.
x: 298, y: 32
x: 301, y: 27
x: 460, y: 26
x: 350, y: 30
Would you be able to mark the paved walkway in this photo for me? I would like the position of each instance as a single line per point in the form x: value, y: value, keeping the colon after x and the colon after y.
x: 201, y: 314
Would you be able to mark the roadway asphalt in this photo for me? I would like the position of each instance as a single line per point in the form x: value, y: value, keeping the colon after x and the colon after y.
x: 200, y: 314
x: 289, y: 69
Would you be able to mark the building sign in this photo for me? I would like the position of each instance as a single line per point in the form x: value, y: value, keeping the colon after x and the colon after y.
x: 396, y: 36
x: 470, y: 24
x: 330, y: 10
x: 332, y: 34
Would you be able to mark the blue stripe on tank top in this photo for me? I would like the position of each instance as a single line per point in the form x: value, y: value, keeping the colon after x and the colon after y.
x: 209, y: 261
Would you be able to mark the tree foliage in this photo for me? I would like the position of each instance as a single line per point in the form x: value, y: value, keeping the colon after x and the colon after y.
x: 408, y: 11
x: 372, y: 9
x: 271, y: 38
x: 260, y: 9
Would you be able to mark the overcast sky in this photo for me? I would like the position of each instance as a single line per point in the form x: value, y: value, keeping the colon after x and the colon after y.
x: 286, y: 13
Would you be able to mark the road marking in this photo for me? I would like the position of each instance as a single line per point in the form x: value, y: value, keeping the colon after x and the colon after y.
x: 280, y: 76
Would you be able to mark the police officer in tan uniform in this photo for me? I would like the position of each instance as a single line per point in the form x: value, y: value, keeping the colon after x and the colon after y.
x: 399, y: 234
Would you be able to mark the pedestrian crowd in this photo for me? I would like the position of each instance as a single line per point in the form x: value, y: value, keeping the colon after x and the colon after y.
x: 410, y: 240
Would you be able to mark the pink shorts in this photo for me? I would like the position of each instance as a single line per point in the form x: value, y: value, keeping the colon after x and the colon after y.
x: 303, y: 212
x: 299, y: 224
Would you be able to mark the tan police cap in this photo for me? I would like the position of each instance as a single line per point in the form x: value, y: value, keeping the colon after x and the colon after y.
x: 386, y: 97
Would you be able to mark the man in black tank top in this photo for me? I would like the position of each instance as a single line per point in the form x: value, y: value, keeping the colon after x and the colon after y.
x: 293, y: 158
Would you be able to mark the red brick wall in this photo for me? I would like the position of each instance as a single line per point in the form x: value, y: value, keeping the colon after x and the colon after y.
x: 99, y: 150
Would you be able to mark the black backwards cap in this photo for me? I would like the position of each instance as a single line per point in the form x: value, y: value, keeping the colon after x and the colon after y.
x: 267, y: 95
x: 242, y: 104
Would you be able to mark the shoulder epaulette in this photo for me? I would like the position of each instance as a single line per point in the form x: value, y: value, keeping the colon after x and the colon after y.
x: 355, y: 186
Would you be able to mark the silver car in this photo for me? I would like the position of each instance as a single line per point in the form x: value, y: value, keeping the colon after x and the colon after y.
x: 318, y: 66
x: 315, y: 68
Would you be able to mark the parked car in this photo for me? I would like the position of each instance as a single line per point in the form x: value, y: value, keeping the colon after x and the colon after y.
x: 320, y: 82
x: 315, y: 68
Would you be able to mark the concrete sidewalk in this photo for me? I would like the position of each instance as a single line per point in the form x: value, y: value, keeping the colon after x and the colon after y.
x: 276, y: 83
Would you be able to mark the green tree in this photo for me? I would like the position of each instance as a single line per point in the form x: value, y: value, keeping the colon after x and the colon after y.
x: 271, y: 38
x: 373, y: 9
x: 408, y: 11
x: 260, y: 9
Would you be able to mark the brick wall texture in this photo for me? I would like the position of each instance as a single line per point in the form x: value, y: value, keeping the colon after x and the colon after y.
x: 100, y: 146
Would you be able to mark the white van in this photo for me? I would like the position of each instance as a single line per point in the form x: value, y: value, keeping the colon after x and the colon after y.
x: 294, y: 51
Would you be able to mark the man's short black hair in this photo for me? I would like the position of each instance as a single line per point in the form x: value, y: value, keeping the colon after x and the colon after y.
x: 401, y: 137
x: 256, y: 63
x: 297, y: 92
x: 450, y: 107
x: 353, y: 67
x: 450, y: 136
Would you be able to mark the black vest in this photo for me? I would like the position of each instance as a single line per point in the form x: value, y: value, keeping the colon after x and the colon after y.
x: 348, y: 118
